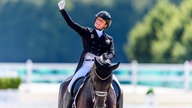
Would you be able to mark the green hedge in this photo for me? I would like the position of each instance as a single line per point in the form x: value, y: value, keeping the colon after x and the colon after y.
x: 150, y: 91
x: 12, y: 83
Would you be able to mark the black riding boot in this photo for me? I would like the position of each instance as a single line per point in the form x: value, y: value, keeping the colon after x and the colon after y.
x: 120, y: 99
x: 119, y: 93
x: 67, y: 100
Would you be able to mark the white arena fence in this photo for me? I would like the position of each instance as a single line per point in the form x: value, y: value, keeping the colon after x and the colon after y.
x: 165, y: 75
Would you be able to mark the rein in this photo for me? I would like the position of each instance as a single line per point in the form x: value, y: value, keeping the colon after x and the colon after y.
x: 99, y: 94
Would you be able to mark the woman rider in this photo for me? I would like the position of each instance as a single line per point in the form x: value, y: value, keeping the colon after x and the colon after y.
x: 95, y: 43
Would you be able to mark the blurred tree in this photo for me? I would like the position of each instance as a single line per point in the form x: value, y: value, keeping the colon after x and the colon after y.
x: 163, y: 36
x: 186, y: 31
x: 34, y: 29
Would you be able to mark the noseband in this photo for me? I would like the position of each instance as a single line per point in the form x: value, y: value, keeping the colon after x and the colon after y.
x: 102, y: 94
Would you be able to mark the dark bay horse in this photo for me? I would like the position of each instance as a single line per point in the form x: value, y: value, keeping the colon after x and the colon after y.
x: 97, y: 90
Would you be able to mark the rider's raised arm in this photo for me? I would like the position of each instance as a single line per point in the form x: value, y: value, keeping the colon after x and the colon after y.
x: 78, y: 28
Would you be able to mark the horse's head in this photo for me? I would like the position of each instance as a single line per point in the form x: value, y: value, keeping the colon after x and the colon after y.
x: 101, y: 76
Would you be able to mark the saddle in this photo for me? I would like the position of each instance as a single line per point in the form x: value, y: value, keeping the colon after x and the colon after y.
x: 77, y: 85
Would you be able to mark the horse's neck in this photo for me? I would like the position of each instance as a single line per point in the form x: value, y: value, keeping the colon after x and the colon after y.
x: 86, y: 91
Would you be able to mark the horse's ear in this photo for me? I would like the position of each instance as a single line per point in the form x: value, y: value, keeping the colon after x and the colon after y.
x: 115, y: 66
x: 96, y: 62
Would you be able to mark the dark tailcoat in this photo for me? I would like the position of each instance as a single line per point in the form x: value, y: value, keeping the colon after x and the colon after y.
x: 91, y: 41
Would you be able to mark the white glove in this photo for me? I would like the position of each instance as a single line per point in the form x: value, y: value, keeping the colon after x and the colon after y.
x: 61, y: 4
x: 107, y: 61
x: 104, y: 61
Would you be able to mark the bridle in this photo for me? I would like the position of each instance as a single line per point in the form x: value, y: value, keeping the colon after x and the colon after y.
x: 98, y: 94
x: 95, y: 93
x: 100, y: 77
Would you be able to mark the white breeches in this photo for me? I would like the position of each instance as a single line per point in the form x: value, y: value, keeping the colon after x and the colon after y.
x: 84, y: 69
x: 80, y: 73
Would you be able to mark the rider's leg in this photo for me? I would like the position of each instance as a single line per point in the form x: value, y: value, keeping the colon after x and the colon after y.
x: 67, y: 97
x: 84, y: 69
x: 116, y: 80
x: 120, y: 98
x: 80, y: 73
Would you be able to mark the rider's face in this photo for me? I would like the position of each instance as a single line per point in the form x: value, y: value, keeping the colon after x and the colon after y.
x: 100, y: 23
